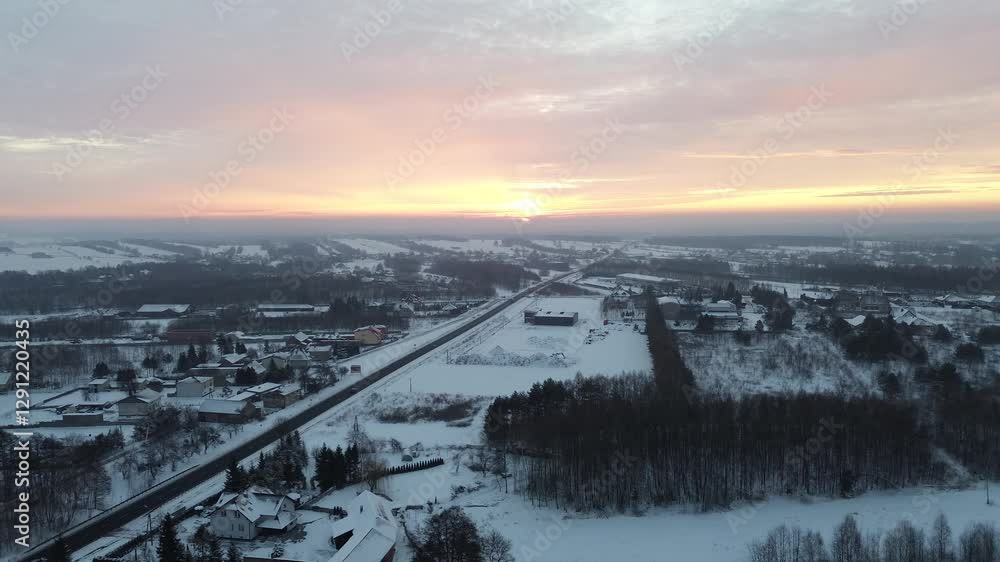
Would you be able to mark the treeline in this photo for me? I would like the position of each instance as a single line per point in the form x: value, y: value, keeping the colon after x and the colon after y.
x: 620, y: 444
x: 484, y: 275
x: 966, y: 419
x: 344, y: 314
x: 979, y: 542
x: 207, y: 283
x: 922, y: 277
x: 67, y: 480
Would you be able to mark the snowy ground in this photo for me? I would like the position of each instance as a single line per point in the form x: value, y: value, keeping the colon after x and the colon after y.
x: 508, y: 355
x: 64, y: 257
x: 374, y: 247
x: 772, y: 363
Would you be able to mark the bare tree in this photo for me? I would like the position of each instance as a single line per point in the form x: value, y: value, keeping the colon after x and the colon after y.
x: 496, y: 547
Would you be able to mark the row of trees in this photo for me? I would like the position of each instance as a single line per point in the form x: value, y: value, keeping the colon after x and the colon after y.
x: 335, y: 468
x: 979, y: 542
x: 67, y: 480
x: 922, y: 277
x: 614, y: 444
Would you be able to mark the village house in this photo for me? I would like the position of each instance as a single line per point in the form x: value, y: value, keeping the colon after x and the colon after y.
x: 320, y: 352
x: 139, y: 404
x: 915, y: 320
x: 252, y: 513
x: 275, y: 360
x: 195, y: 387
x: 260, y: 390
x: 368, y: 533
x: 370, y: 335
x: 300, y: 339
x: 238, y: 409
x: 6, y: 382
x: 991, y: 302
x: 283, y: 397
x: 726, y: 314
x: 955, y: 301
x: 234, y: 360
x: 299, y: 359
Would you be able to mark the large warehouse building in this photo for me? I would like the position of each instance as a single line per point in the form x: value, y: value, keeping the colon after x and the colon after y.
x: 550, y: 318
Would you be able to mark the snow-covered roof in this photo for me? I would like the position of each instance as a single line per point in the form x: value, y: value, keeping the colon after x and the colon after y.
x: 818, y: 295
x: 216, y: 406
x: 290, y: 389
x: 721, y: 306
x: 669, y: 299
x: 233, y: 357
x: 98, y: 381
x: 148, y: 395
x: 154, y: 308
x: 373, y: 527
x: 910, y: 316
x: 560, y: 314
x: 262, y: 388
x: 259, y: 506
x: 856, y: 321
x: 201, y: 380
x: 5, y: 378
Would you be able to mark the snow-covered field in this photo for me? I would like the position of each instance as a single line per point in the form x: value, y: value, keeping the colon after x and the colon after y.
x: 63, y: 257
x: 508, y: 355
x: 374, y: 247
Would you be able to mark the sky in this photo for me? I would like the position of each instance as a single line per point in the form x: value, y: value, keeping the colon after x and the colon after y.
x: 523, y: 109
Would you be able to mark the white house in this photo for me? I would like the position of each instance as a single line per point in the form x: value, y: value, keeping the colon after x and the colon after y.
x: 195, y: 387
x: 251, y: 513
x: 139, y: 404
x: 368, y: 533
